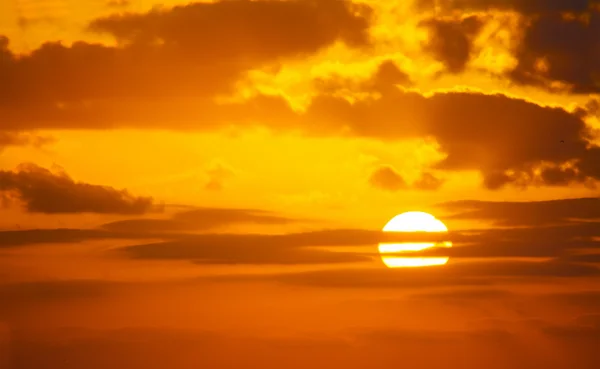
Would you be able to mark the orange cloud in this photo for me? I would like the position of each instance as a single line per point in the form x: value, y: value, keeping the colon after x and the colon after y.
x: 386, y: 178
x: 189, y: 51
x: 451, y: 41
x: 42, y: 191
x: 428, y: 182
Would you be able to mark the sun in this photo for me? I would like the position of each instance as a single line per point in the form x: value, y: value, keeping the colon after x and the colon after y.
x: 410, y: 222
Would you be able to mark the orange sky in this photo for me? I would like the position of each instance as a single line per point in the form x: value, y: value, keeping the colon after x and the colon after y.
x: 202, y: 185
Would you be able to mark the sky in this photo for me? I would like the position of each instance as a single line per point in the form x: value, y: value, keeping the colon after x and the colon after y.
x: 204, y: 184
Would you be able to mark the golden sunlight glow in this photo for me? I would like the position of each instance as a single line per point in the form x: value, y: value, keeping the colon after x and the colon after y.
x: 414, y: 221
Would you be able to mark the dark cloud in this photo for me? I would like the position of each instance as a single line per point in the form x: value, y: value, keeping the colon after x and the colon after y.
x: 586, y: 299
x: 451, y: 41
x: 476, y: 131
x: 200, y: 219
x: 165, y: 57
x: 51, y: 290
x: 527, y: 7
x: 173, y: 230
x: 38, y: 236
x: 561, y: 49
x: 220, y: 246
x: 474, y: 274
x: 20, y: 297
x: 526, y: 213
x: 388, y: 74
x: 556, y: 52
x: 583, y: 327
x: 385, y: 78
x: 434, y: 337
x: 428, y: 182
x: 386, y: 178
x: 42, y: 191
x: 224, y: 250
x: 464, y: 295
x: 23, y: 139
x: 581, y: 300
x: 264, y: 30
x: 573, y: 242
x: 292, y: 248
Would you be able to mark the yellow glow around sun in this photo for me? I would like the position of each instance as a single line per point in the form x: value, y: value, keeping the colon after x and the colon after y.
x: 414, y: 221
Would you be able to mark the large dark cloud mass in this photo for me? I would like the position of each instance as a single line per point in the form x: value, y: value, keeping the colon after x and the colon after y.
x: 188, y: 51
x: 506, y: 139
x: 569, y: 49
x: 558, y: 40
x: 169, y: 65
x: 42, y: 191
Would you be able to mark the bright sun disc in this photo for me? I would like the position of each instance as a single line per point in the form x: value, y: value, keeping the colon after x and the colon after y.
x: 414, y: 221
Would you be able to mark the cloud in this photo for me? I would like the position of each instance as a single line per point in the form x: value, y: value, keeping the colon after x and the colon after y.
x: 20, y: 297
x: 23, y: 139
x: 433, y: 337
x: 42, y: 191
x: 37, y: 236
x: 566, y: 63
x: 246, y: 249
x: 311, y: 247
x: 469, y: 274
x: 527, y: 7
x: 189, y: 53
x: 218, y: 174
x: 505, y: 150
x: 386, y: 77
x: 428, y: 182
x: 200, y: 219
x: 526, y: 213
x: 186, y: 225
x: 386, y: 178
x: 585, y: 299
x: 574, y: 243
x: 464, y: 295
x: 582, y: 327
x: 451, y: 41
x: 50, y: 290
x: 571, y: 59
